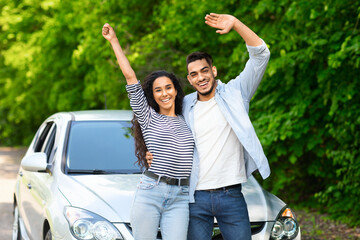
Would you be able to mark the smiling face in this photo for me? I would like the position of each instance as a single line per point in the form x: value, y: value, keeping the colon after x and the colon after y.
x: 202, y: 77
x: 164, y: 93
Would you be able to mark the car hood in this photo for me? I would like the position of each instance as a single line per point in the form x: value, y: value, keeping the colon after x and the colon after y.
x: 111, y: 196
x: 262, y: 205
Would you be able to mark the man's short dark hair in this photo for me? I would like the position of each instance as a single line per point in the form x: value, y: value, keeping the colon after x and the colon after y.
x: 192, y: 57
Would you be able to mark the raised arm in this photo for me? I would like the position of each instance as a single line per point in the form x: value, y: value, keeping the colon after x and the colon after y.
x: 224, y: 23
x: 250, y: 78
x: 109, y: 34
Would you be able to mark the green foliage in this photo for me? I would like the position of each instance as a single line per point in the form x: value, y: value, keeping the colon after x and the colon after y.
x: 306, y: 111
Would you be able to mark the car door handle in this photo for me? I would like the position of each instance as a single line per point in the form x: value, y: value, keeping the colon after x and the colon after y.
x: 29, y: 186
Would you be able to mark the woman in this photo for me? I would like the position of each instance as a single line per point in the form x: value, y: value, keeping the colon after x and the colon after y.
x: 162, y: 194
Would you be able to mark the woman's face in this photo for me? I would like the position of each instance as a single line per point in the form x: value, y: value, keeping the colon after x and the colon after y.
x: 164, y: 94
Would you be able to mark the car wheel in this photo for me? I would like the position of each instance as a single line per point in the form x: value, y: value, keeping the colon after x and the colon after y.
x: 16, y: 233
x: 48, y: 235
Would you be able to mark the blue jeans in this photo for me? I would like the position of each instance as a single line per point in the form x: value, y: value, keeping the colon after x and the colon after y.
x: 157, y: 203
x: 229, y: 208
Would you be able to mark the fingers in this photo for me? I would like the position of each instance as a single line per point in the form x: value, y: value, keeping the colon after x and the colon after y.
x: 222, y: 31
x: 213, y: 20
x: 149, y: 158
x: 212, y: 17
x: 106, y: 29
x: 210, y: 21
x: 223, y: 22
x: 211, y: 24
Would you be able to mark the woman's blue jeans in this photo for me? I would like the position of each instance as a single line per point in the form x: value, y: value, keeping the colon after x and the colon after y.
x: 157, y: 203
x: 229, y: 208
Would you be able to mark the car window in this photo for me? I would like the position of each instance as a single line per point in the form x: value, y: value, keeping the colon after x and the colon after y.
x: 49, y: 142
x: 101, y: 146
x: 39, y: 143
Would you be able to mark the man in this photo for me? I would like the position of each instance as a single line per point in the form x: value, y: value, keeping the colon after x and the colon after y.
x: 227, y: 149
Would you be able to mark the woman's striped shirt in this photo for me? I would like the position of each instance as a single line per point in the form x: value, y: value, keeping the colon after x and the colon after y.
x: 167, y: 138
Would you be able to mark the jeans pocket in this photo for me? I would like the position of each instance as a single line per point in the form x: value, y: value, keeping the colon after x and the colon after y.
x: 146, y: 183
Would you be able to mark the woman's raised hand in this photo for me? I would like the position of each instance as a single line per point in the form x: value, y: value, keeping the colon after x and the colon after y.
x: 108, y: 32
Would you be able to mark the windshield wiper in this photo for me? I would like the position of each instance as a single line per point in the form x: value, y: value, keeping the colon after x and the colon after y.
x: 94, y: 171
x: 100, y: 171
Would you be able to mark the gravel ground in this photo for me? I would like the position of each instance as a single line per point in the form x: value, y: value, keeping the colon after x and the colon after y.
x: 9, y: 165
x: 314, y: 226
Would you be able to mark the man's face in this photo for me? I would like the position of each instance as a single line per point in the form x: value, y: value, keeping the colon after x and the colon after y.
x: 202, y: 77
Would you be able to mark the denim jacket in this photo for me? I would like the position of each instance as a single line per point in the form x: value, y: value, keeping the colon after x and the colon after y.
x: 233, y: 100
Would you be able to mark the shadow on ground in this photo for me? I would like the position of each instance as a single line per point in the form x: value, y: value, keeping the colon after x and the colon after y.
x: 9, y: 165
x: 6, y: 226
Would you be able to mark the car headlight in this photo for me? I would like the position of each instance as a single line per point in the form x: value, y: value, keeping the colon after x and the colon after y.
x: 86, y: 225
x: 286, y: 226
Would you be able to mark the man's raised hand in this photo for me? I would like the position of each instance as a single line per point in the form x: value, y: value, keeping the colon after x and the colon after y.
x: 223, y: 22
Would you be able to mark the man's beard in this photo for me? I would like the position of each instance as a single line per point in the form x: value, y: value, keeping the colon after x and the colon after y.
x: 210, y: 90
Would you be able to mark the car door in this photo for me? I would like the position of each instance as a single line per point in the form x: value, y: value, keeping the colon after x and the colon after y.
x: 35, y: 185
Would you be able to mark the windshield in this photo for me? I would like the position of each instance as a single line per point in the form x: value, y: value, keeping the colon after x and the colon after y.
x: 101, y: 147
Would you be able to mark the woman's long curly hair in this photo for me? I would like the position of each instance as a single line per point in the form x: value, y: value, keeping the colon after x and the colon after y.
x: 147, y: 86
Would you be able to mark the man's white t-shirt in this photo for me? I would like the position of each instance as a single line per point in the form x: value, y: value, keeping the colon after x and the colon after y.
x: 220, y: 152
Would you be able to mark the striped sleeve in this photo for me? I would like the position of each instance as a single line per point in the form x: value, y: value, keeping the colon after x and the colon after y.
x: 139, y: 104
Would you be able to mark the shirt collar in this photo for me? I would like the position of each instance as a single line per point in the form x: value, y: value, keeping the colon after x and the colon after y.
x: 195, y: 99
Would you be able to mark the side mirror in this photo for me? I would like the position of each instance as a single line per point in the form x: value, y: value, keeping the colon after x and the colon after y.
x: 35, y: 162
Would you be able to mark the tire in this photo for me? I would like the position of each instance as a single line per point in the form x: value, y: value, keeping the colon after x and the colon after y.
x: 16, y: 233
x: 48, y: 235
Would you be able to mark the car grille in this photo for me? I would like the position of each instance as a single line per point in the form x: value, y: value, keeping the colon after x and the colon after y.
x: 256, y: 227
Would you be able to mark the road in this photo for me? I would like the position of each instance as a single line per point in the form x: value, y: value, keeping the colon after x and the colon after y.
x: 9, y: 165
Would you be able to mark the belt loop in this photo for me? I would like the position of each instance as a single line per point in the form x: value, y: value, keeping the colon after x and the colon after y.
x: 179, y: 182
x: 157, y: 183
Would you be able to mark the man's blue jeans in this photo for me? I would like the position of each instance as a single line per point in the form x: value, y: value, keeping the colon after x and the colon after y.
x: 229, y: 208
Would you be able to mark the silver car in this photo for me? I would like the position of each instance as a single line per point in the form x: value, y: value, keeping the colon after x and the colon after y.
x: 78, y: 178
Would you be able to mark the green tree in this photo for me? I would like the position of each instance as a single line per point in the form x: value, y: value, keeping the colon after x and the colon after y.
x: 306, y: 110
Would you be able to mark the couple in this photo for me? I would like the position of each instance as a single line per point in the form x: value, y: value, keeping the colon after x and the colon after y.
x: 206, y: 135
